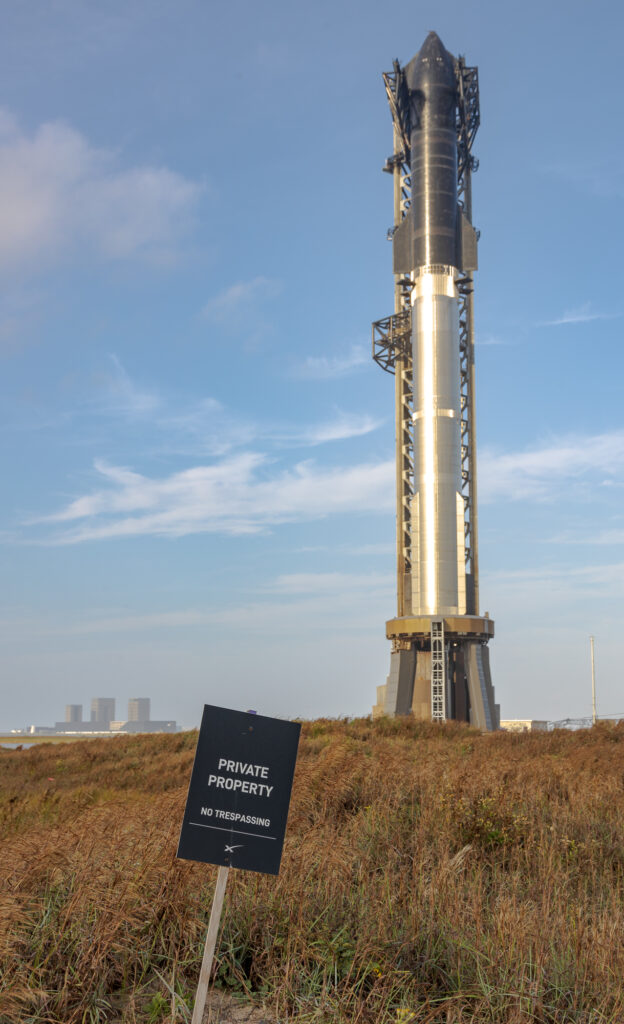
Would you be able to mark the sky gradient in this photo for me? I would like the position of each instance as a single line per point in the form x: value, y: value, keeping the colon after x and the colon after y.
x: 197, y: 449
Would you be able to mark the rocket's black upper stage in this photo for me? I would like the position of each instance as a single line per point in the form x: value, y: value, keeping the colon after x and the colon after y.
x: 430, y: 78
x: 431, y: 233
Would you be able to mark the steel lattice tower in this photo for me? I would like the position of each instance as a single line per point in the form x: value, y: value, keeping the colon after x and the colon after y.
x: 440, y: 660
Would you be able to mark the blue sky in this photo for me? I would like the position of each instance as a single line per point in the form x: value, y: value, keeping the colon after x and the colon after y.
x: 196, y: 446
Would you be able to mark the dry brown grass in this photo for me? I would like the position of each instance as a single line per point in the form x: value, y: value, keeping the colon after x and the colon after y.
x: 429, y: 875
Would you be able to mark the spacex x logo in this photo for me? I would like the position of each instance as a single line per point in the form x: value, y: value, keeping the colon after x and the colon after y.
x: 230, y: 849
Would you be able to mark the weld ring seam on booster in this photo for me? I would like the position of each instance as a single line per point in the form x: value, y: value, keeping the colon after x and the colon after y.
x: 451, y: 413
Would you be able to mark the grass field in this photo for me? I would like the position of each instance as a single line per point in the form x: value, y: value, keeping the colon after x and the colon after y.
x: 430, y: 874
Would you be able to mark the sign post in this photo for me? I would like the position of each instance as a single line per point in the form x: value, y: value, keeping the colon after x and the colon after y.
x: 209, y: 948
x: 237, y: 805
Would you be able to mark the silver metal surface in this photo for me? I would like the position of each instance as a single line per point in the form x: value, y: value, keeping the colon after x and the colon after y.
x: 437, y: 563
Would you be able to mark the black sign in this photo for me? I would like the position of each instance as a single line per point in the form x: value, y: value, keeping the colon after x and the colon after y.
x: 237, y: 804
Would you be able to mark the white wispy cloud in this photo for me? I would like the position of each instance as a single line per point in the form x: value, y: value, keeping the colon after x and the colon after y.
x: 60, y: 193
x: 579, y: 315
x: 387, y: 548
x: 539, y: 473
x: 240, y: 494
x: 327, y: 600
x: 204, y: 427
x: 229, y: 302
x: 559, y: 589
x: 601, y: 538
x: 207, y: 426
x: 329, y: 367
x: 241, y: 308
x: 217, y: 430
x: 490, y: 341
x: 340, y: 428
x: 123, y: 397
x: 328, y: 582
x: 248, y: 492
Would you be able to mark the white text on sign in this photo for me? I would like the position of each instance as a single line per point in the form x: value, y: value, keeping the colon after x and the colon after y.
x: 258, y: 771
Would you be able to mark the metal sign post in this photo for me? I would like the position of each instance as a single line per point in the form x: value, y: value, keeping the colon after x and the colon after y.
x: 237, y: 805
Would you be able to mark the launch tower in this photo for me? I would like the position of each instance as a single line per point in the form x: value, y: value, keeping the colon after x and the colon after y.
x: 439, y: 665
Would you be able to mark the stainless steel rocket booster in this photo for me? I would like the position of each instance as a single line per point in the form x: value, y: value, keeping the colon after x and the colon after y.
x: 430, y: 234
x: 439, y: 665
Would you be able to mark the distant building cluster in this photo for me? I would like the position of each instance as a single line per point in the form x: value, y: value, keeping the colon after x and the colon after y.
x: 103, y: 719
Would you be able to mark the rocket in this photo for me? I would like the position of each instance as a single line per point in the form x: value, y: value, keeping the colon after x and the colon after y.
x: 433, y: 242
x: 439, y: 662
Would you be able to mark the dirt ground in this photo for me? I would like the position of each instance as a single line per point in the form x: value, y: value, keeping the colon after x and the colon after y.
x: 225, y: 1009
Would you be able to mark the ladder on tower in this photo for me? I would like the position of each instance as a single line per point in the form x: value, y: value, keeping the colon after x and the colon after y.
x: 438, y: 671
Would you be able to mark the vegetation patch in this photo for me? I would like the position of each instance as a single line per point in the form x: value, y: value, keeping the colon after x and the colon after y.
x: 430, y: 874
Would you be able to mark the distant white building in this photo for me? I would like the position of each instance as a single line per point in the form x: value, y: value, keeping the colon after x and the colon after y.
x: 150, y: 726
x: 524, y: 725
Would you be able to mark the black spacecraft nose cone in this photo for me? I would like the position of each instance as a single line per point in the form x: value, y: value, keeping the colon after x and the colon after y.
x: 433, y: 65
x: 432, y: 46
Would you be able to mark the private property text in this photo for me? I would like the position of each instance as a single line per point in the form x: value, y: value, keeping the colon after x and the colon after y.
x: 258, y: 771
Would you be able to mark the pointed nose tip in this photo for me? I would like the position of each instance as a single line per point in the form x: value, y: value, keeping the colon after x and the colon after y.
x: 432, y: 65
x: 432, y: 46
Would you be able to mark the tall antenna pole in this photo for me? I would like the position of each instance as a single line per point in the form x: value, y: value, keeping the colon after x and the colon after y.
x: 593, y: 671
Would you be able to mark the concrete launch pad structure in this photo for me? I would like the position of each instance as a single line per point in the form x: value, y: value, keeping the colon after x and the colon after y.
x: 439, y: 665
